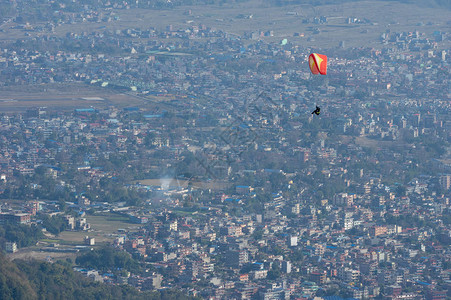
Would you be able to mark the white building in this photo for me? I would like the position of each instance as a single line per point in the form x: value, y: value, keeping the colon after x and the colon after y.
x: 286, y: 267
x: 10, y: 247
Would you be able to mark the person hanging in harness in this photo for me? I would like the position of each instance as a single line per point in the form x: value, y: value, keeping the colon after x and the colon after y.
x: 316, y: 111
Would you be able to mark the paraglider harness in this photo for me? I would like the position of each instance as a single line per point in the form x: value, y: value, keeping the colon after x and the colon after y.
x: 316, y: 111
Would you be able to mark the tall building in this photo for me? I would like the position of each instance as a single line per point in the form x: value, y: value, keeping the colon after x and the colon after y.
x: 318, y: 277
x: 237, y: 257
x: 33, y: 207
x: 173, y: 225
x: 70, y: 222
x: 445, y: 182
x: 348, y: 275
x: 319, y: 249
x: 343, y: 199
x: 286, y: 267
x: 348, y: 223
x: 378, y: 230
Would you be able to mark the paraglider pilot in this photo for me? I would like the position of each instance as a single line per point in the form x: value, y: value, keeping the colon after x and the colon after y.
x: 316, y: 111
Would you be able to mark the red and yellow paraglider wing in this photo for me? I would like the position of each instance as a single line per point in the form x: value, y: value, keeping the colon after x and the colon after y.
x: 318, y: 63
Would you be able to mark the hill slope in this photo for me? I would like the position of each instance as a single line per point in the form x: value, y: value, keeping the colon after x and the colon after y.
x: 41, y: 280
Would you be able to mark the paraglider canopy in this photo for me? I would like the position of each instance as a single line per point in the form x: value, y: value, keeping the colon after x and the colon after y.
x: 318, y: 63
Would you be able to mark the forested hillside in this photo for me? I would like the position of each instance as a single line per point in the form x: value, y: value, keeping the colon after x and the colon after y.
x: 41, y: 280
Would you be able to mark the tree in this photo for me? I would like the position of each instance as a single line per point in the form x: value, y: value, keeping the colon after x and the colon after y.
x: 400, y: 191
x: 23, y: 235
x: 108, y: 258
x: 257, y: 234
x: 54, y: 224
x: 275, y: 272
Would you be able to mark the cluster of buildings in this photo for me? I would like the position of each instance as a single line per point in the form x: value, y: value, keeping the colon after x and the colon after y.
x: 347, y: 247
x: 296, y: 243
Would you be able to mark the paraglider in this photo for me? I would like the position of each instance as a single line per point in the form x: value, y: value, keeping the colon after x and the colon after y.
x: 318, y: 63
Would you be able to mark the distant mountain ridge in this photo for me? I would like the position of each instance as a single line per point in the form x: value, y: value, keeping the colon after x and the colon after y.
x: 69, y: 5
x: 423, y: 3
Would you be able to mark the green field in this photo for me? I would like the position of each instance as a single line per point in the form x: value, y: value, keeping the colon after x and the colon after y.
x: 103, y: 229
